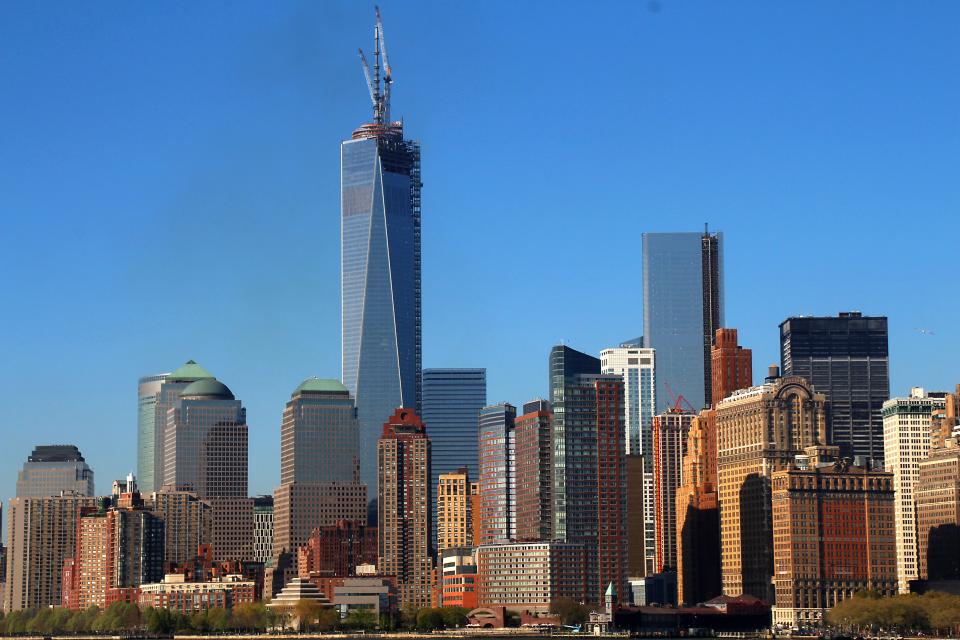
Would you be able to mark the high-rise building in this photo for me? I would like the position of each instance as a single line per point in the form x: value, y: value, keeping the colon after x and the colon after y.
x: 319, y: 464
x: 119, y: 546
x: 263, y: 529
x: 41, y: 534
x: 760, y: 430
x: 187, y: 523
x: 588, y: 449
x: 731, y: 365
x: 454, y: 510
x: 52, y: 469
x: 636, y: 365
x: 847, y: 512
x: 403, y: 455
x: 698, y: 520
x: 452, y: 399
x: 670, y: 430
x: 937, y: 495
x: 847, y: 359
x: 156, y: 395
x: 380, y: 269
x: 682, y: 309
x: 906, y: 443
x: 335, y: 551
x: 534, y: 472
x: 497, y: 473
x: 205, y: 445
x: 149, y: 441
x: 641, y: 520
x: 232, y: 528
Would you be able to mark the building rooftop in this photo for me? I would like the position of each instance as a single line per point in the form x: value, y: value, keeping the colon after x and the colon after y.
x: 207, y: 388
x: 320, y: 385
x: 56, y: 453
x: 189, y: 372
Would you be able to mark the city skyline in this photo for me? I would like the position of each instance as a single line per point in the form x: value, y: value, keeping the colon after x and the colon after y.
x: 101, y: 334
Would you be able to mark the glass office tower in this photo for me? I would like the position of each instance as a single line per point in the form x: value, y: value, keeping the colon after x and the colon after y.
x: 149, y: 446
x: 847, y: 358
x: 380, y: 279
x: 53, y: 468
x: 452, y: 399
x: 682, y: 309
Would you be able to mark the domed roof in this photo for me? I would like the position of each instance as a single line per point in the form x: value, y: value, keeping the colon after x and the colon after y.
x: 189, y: 372
x: 319, y: 385
x: 207, y: 388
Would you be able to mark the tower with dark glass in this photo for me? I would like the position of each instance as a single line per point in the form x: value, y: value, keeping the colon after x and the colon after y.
x: 380, y: 265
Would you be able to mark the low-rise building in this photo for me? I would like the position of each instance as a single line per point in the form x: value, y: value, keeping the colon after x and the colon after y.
x: 458, y: 579
x: 177, y: 594
x: 528, y: 576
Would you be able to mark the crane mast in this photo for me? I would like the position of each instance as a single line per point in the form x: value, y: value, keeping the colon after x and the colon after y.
x: 379, y: 93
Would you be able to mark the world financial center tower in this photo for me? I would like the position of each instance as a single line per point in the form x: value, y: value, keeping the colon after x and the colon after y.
x: 380, y: 266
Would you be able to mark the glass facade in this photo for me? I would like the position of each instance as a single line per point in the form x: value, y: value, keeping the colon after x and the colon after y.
x: 51, y: 469
x: 149, y: 445
x: 497, y: 473
x: 380, y: 281
x: 682, y: 309
x: 452, y: 399
x: 847, y: 358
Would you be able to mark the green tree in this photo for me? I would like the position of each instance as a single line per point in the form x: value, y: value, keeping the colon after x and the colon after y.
x: 250, y: 616
x: 429, y: 619
x: 569, y: 611
x: 218, y: 619
x: 408, y: 616
x: 361, y: 618
x: 454, y: 617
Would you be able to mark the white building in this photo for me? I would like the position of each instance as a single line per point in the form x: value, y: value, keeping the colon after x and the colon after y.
x: 906, y: 442
x: 636, y: 365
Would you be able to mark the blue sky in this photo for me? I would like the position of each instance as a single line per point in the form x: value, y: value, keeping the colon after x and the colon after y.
x: 169, y: 188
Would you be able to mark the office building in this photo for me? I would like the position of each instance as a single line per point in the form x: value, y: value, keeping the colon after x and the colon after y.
x: 731, y: 365
x: 452, y: 399
x: 232, y: 528
x: 846, y: 358
x: 937, y: 495
x: 51, y: 469
x: 528, y: 576
x: 337, y: 550
x: 760, y: 430
x: 848, y: 512
x: 454, y: 510
x: 156, y: 394
x: 906, y: 443
x: 403, y: 455
x: 698, y: 518
x: 670, y: 430
x: 636, y: 366
x: 205, y: 445
x: 534, y: 471
x: 41, y: 535
x: 380, y: 270
x: 187, y: 523
x: 682, y: 309
x: 298, y: 509
x: 589, y: 466
x: 497, y: 445
x: 263, y: 529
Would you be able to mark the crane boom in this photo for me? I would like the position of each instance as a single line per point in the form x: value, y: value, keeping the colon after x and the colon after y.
x: 366, y: 73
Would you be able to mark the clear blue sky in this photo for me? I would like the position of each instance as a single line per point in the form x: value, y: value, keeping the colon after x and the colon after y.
x: 169, y: 187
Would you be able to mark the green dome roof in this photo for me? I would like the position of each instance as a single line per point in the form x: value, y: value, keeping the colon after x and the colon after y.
x: 318, y: 385
x: 209, y: 388
x: 190, y: 372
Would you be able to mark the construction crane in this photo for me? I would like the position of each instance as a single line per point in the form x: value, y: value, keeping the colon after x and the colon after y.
x: 678, y: 400
x: 379, y: 95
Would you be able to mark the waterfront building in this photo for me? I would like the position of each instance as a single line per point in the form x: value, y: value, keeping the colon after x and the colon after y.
x: 848, y: 511
x: 760, y: 430
x: 682, y: 309
x: 497, y: 473
x: 906, y: 443
x: 452, y: 399
x: 458, y: 578
x: 380, y: 270
x: 403, y: 453
x: 41, y: 535
x: 52, y: 469
x: 454, y: 510
x: 528, y: 576
x: 846, y: 358
x: 177, y: 594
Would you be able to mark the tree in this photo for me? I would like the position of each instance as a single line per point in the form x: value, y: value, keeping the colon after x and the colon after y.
x: 408, y: 615
x: 429, y: 619
x: 306, y: 613
x: 218, y: 619
x: 569, y: 611
x: 250, y: 616
x: 361, y: 618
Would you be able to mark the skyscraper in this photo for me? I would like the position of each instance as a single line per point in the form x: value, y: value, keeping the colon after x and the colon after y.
x: 187, y: 523
x: 319, y: 463
x: 670, y: 430
x: 454, y: 511
x: 452, y: 399
x: 682, y: 308
x: 906, y: 434
x: 497, y: 473
x: 847, y: 359
x: 760, y: 430
x: 380, y: 267
x: 731, y: 365
x: 534, y: 472
x: 403, y: 455
x: 51, y: 469
x: 156, y: 394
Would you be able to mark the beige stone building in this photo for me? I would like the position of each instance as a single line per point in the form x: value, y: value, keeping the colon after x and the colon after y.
x: 187, y: 522
x: 937, y: 495
x: 454, y: 510
x: 759, y: 431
